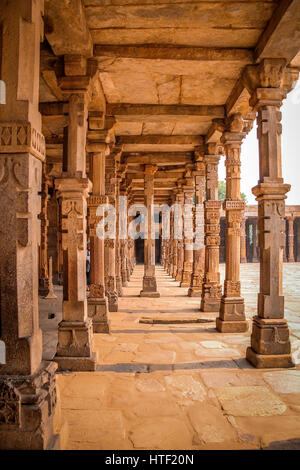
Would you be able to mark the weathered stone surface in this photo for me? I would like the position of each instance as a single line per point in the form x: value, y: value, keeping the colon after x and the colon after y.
x: 250, y: 401
x: 283, y: 381
x: 172, y: 434
x: 186, y: 387
x: 210, y: 424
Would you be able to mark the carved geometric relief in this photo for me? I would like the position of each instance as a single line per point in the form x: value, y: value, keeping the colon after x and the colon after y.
x: 10, y: 405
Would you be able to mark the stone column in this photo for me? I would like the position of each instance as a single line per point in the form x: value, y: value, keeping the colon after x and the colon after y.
x: 124, y: 241
x: 97, y: 302
x: 254, y: 239
x: 110, y: 243
x: 211, y: 289
x: 291, y: 240
x: 118, y: 243
x: 232, y: 310
x: 180, y: 246
x: 199, y: 249
x: 188, y: 191
x: 27, y: 384
x: 243, y: 241
x: 43, y: 259
x: 270, y: 345
x: 149, y: 280
x: 75, y: 345
x: 171, y: 246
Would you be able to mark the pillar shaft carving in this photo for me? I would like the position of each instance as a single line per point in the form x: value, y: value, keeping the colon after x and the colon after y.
x: 211, y: 289
x: 149, y: 279
x: 110, y: 243
x: 199, y: 247
x: 270, y: 345
x: 232, y: 309
x: 97, y: 302
x: 27, y: 384
x: 291, y: 240
x: 188, y: 192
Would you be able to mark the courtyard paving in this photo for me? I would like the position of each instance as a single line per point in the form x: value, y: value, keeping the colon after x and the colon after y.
x: 179, y: 386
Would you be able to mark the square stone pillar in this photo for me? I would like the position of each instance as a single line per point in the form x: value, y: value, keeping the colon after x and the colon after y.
x: 195, y: 289
x: 97, y: 302
x: 27, y: 384
x: 75, y: 340
x: 211, y: 289
x: 232, y: 310
x: 270, y: 344
x: 149, y: 279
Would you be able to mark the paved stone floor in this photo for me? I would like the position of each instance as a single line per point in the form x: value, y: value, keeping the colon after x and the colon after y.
x: 182, y: 386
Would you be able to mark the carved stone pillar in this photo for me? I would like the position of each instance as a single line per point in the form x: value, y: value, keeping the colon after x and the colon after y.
x: 211, y: 289
x: 110, y: 243
x: 179, y: 223
x: 171, y: 245
x: 124, y: 240
x: 75, y: 340
x: 43, y: 259
x: 188, y: 191
x: 118, y: 242
x: 291, y: 240
x: 97, y: 302
x: 199, y: 249
x: 27, y: 384
x: 254, y: 240
x: 243, y: 241
x: 232, y: 310
x: 270, y: 344
x: 149, y: 280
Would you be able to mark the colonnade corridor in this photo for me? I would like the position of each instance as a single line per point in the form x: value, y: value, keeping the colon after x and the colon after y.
x: 181, y: 385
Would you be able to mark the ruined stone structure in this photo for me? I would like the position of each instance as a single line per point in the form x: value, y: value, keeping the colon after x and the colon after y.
x: 107, y: 99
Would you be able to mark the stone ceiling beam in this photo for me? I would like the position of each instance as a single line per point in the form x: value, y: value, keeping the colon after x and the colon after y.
x: 64, y: 35
x: 164, y: 110
x: 159, y: 159
x: 160, y: 139
x: 165, y: 52
x: 281, y: 38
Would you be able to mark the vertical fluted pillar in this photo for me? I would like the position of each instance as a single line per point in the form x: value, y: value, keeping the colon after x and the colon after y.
x: 43, y: 261
x: 211, y: 289
x: 149, y: 279
x: 232, y: 309
x: 179, y: 222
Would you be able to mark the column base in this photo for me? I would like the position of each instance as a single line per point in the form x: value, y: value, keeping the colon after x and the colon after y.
x: 232, y: 315
x: 149, y: 294
x: 43, y: 287
x: 269, y: 361
x: 99, y: 313
x: 210, y: 305
x: 74, y: 349
x: 186, y: 279
x: 27, y: 410
x: 119, y: 286
x: 76, y: 364
x: 231, y: 326
x: 113, y: 304
x: 195, y: 292
x: 244, y: 260
x: 149, y: 287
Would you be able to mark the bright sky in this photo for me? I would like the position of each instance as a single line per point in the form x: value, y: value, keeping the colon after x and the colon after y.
x: 290, y: 152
